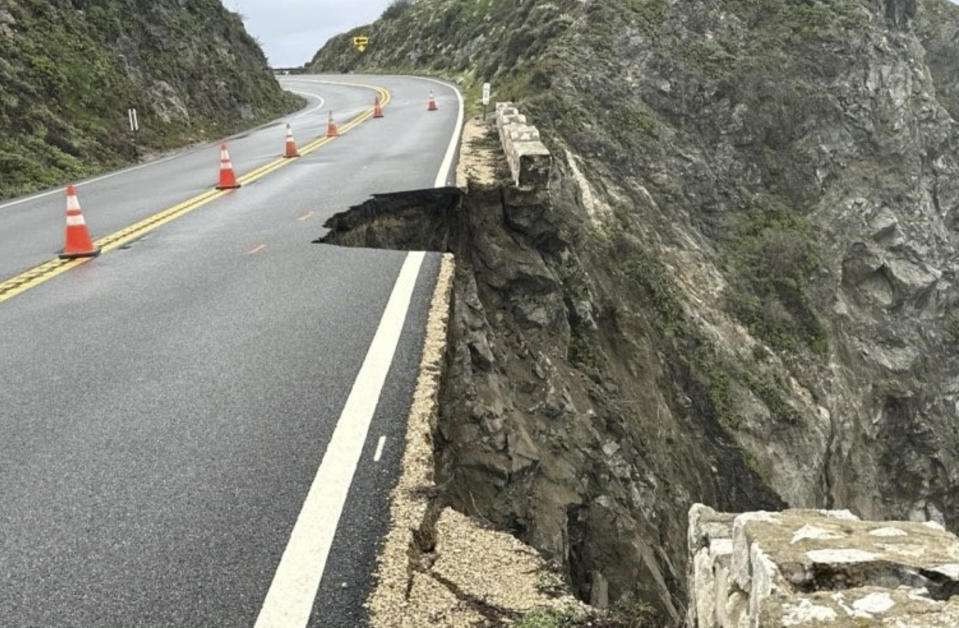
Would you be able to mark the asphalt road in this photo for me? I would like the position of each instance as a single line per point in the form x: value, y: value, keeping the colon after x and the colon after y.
x: 164, y: 408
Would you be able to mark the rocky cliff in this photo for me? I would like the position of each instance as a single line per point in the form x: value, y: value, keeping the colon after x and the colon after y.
x: 738, y: 289
x: 69, y: 69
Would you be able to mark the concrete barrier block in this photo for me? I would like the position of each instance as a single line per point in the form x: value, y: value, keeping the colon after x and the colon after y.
x: 529, y: 159
x: 817, y: 567
x: 511, y: 119
x: 523, y: 133
x: 533, y: 162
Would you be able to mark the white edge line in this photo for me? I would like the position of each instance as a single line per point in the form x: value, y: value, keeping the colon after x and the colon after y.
x: 289, y: 602
x: 110, y: 175
x: 103, y: 177
x: 443, y: 176
x: 379, y: 449
x: 349, y: 113
x: 305, y: 113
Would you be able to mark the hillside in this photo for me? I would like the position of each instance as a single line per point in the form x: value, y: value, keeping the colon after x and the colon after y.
x: 69, y: 69
x: 744, y: 293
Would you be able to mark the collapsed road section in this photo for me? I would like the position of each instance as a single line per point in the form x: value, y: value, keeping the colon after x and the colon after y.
x: 437, y: 565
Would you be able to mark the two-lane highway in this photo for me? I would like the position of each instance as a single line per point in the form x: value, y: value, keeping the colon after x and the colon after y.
x: 180, y: 417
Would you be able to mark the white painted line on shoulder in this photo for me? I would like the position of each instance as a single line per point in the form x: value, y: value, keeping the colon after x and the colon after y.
x: 289, y: 601
x: 379, y: 449
x: 443, y: 176
x: 157, y: 162
x: 308, y: 111
x: 104, y: 177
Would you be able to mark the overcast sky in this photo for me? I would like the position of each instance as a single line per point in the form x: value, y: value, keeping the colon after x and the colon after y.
x: 291, y: 31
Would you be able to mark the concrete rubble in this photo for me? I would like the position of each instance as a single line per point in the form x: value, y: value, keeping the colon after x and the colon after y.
x: 821, y: 568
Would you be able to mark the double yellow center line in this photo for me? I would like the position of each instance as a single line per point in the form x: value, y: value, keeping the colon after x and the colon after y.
x: 50, y: 269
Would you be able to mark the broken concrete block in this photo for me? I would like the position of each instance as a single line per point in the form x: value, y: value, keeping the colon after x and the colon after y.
x: 819, y: 568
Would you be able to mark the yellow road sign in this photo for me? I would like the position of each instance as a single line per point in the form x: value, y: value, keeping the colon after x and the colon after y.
x: 361, y: 42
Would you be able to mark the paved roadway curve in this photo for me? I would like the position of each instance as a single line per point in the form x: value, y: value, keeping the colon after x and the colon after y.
x: 165, y: 407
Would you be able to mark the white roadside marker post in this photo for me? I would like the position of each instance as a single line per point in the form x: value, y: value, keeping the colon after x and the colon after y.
x: 134, y: 127
x: 486, y: 94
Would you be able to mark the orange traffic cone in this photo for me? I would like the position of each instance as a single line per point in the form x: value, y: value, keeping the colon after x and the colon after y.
x: 227, y: 177
x: 77, y: 241
x: 432, y: 104
x: 290, y: 143
x: 331, y: 130
x: 377, y: 108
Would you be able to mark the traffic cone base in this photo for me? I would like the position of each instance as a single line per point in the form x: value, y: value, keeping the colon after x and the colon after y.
x: 65, y: 255
x: 76, y: 240
x: 291, y: 150
x: 227, y: 176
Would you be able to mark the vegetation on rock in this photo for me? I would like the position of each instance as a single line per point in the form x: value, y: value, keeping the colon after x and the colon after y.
x: 746, y: 269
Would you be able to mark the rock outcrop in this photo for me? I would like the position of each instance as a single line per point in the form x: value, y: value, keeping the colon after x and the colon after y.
x: 823, y: 568
x: 69, y: 69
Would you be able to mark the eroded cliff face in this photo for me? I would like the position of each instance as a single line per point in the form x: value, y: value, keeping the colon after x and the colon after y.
x: 69, y: 69
x: 738, y: 289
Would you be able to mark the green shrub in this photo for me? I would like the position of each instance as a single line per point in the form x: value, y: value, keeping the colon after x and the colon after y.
x: 771, y: 257
x: 548, y: 618
x: 396, y: 9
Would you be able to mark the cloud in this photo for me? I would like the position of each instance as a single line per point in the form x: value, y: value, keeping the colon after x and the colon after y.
x: 291, y: 31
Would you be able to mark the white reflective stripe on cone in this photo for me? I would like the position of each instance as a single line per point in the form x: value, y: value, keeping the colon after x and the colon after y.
x: 75, y: 221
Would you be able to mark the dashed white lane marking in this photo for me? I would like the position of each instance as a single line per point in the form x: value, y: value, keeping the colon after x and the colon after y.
x: 289, y: 601
x: 257, y: 249
x: 379, y: 449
